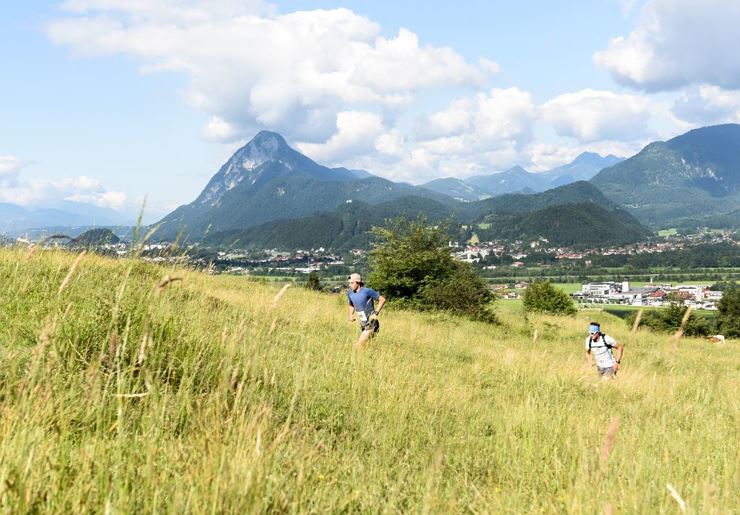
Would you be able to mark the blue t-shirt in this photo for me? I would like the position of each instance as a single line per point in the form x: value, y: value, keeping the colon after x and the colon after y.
x: 363, y: 302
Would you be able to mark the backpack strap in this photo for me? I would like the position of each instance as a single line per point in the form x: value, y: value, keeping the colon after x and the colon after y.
x: 603, y: 339
x: 606, y: 343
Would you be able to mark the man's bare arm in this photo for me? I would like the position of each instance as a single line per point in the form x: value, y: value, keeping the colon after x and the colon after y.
x: 620, y: 352
x: 381, y: 303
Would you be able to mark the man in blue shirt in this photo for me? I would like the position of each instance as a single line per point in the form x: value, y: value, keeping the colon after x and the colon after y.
x: 362, y: 304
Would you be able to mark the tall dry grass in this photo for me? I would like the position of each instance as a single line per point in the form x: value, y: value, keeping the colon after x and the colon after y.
x: 118, y: 395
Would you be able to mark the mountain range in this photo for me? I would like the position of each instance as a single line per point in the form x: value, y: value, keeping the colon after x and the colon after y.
x: 268, y: 194
x: 575, y: 214
x: 268, y: 181
x: 519, y: 180
x: 16, y: 219
x: 695, y: 175
x: 267, y: 189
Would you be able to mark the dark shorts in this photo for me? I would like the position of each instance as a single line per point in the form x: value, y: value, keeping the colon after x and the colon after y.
x: 372, y: 325
x: 607, y: 372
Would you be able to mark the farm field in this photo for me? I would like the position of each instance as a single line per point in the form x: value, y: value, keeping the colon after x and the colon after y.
x: 568, y: 287
x: 127, y: 387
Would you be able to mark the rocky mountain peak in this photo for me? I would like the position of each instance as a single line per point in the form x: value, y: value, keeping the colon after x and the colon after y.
x: 265, y: 146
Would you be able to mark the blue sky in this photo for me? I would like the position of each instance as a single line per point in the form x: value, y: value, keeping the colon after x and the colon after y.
x: 108, y: 101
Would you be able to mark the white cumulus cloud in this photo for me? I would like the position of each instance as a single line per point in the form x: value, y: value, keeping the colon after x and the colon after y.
x: 484, y: 119
x: 591, y: 115
x: 250, y: 68
x: 484, y: 132
x: 676, y: 43
x: 10, y: 168
x: 707, y: 104
x: 356, y: 135
x: 345, y: 93
x: 489, y: 66
x: 391, y: 143
x: 16, y: 190
x: 219, y: 130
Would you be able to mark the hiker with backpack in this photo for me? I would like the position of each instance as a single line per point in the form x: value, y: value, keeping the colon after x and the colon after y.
x: 599, y: 349
x: 362, y: 304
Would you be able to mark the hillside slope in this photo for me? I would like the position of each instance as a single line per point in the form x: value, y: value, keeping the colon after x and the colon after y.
x: 585, y: 224
x: 121, y: 395
x: 576, y: 214
x: 345, y: 228
x: 696, y: 174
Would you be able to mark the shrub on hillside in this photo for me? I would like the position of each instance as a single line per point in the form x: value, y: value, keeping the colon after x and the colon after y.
x: 543, y: 297
x: 313, y: 282
x: 669, y: 319
x: 728, y: 318
x: 462, y: 292
x: 411, y: 264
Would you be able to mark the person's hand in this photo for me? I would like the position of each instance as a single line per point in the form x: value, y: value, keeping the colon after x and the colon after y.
x: 617, y: 366
x: 352, y: 318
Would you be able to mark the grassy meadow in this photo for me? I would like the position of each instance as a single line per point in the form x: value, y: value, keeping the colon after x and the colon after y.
x: 122, y: 394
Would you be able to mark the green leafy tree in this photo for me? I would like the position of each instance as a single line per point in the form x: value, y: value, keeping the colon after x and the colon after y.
x: 411, y: 264
x: 313, y: 282
x: 728, y: 318
x: 543, y: 297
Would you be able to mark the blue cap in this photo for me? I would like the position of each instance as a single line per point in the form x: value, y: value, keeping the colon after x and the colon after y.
x: 594, y: 328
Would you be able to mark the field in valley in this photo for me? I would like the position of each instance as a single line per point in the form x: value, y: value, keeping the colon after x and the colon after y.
x: 124, y: 392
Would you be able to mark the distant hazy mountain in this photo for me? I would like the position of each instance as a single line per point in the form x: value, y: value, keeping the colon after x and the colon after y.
x: 517, y: 203
x: 519, y: 180
x: 582, y: 168
x: 515, y: 179
x: 10, y: 212
x: 693, y: 175
x: 61, y: 214
x: 267, y: 180
x: 455, y: 188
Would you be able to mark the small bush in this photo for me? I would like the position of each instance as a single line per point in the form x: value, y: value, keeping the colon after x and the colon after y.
x: 313, y: 282
x: 543, y: 297
x: 462, y: 293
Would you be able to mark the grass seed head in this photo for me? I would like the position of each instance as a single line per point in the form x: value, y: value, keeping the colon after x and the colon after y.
x: 71, y: 272
x: 611, y: 435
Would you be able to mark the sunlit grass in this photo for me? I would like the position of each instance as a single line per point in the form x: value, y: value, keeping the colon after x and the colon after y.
x: 116, y: 396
